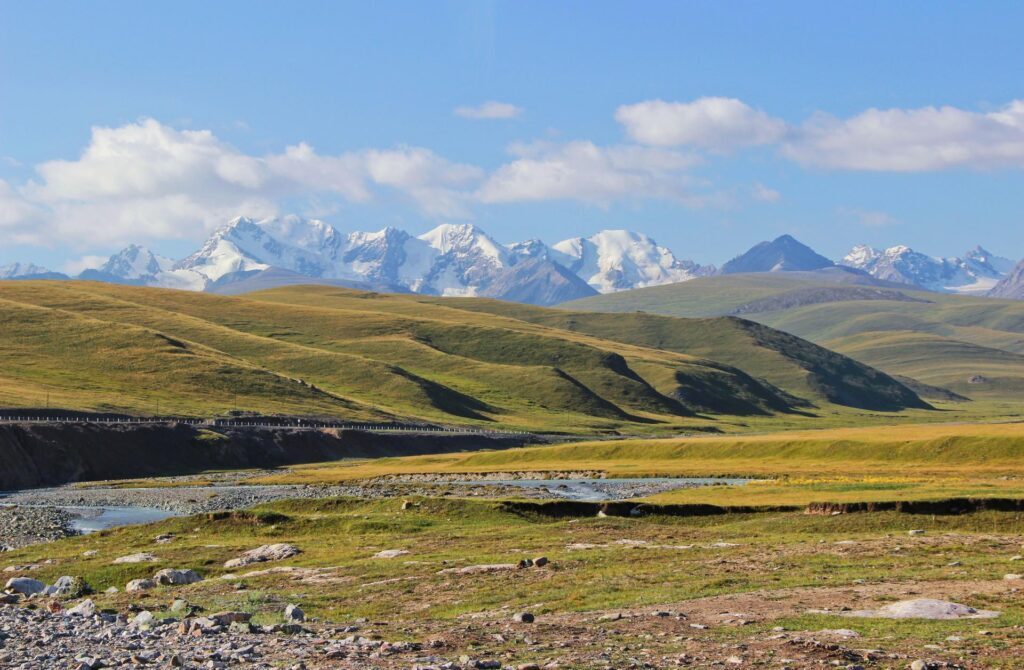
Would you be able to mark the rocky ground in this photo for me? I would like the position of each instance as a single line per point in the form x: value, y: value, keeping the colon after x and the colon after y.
x: 708, y: 632
x: 22, y: 526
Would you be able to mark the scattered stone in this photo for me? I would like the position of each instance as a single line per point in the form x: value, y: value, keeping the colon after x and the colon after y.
x: 173, y: 577
x: 140, y: 585
x: 839, y: 632
x: 919, y: 665
x: 70, y: 587
x: 923, y: 608
x: 85, y: 608
x: 523, y: 617
x: 540, y: 561
x: 143, y: 619
x: 916, y: 531
x: 293, y: 614
x: 228, y: 618
x: 268, y: 552
x: 1013, y: 577
x: 141, y: 557
x: 24, y: 586
x: 391, y: 553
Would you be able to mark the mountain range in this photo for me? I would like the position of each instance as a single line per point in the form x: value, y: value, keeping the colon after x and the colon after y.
x: 463, y: 260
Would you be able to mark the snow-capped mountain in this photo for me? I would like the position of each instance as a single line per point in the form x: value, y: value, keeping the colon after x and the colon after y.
x: 138, y: 266
x: 136, y: 262
x: 450, y: 260
x: 26, y: 271
x: 617, y: 260
x: 977, y: 272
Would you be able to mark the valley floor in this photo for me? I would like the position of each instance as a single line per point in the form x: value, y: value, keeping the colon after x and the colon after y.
x: 401, y: 564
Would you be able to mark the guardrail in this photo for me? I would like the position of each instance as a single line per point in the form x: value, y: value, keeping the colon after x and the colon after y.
x: 235, y: 423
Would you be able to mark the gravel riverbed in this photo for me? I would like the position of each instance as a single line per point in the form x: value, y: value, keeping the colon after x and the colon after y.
x: 45, y: 514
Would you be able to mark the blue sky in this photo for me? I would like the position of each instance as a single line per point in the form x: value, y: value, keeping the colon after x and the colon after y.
x: 710, y: 126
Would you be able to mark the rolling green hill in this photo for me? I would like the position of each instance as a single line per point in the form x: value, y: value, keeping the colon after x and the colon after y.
x: 972, y: 346
x: 333, y: 351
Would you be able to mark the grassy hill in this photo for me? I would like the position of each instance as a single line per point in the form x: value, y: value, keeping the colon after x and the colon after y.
x: 973, y: 346
x: 339, y: 352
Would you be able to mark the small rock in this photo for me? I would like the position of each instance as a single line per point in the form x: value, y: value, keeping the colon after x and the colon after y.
x: 916, y: 531
x: 228, y: 618
x: 71, y: 587
x: 174, y: 577
x: 178, y: 605
x: 267, y: 552
x: 293, y: 613
x: 24, y: 586
x: 523, y: 617
x: 142, y: 557
x: 919, y: 665
x: 144, y: 619
x: 540, y: 561
x: 85, y: 608
x: 140, y: 585
x: 391, y: 553
x: 1013, y: 577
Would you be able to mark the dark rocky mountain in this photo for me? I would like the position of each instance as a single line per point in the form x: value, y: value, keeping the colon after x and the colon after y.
x: 538, y: 281
x: 1012, y: 286
x: 783, y: 254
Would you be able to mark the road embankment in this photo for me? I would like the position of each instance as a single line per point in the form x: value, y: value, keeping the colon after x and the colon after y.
x: 38, y: 454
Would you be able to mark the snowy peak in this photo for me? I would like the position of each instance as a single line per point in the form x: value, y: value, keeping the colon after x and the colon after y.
x: 985, y: 261
x: 977, y: 272
x: 468, y: 259
x: 617, y: 260
x: 24, y: 270
x: 135, y: 262
x: 528, y: 249
x: 783, y: 254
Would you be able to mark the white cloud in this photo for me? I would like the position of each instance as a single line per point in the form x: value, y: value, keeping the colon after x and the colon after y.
x: 913, y: 140
x: 77, y: 265
x: 490, y: 110
x: 589, y: 173
x: 712, y: 123
x: 764, y: 193
x: 147, y: 180
x: 19, y: 218
x: 432, y: 182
